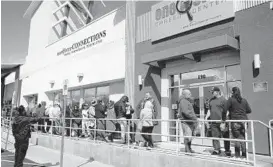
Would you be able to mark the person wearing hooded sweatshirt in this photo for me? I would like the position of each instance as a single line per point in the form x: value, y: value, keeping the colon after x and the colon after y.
x: 76, y: 121
x: 146, y: 116
x: 120, y: 110
x: 21, y: 132
x: 186, y: 113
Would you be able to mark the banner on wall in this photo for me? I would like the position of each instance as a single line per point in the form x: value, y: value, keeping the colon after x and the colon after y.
x: 85, y: 43
x: 174, y: 17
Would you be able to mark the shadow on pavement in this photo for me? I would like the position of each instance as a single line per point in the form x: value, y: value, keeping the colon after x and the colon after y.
x: 91, y: 159
x: 7, y: 160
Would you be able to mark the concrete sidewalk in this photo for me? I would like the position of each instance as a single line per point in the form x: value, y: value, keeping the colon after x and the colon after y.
x: 48, y: 157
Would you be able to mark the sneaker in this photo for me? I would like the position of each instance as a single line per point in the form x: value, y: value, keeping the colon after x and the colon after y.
x: 149, y: 148
x: 228, y: 153
x: 215, y: 152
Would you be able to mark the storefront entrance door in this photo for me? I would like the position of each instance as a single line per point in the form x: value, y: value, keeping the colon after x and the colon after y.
x: 201, y: 95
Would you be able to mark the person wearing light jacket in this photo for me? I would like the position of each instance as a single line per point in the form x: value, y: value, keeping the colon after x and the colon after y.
x: 146, y: 116
x: 188, y: 117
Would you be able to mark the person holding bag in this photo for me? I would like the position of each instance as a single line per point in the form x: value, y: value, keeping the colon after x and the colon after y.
x: 146, y: 123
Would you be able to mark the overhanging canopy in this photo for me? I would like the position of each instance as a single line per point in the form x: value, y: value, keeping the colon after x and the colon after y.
x: 200, y: 46
x: 6, y: 69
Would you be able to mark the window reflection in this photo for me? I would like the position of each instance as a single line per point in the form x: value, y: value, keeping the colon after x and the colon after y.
x: 75, y: 96
x: 89, y: 95
x: 233, y: 73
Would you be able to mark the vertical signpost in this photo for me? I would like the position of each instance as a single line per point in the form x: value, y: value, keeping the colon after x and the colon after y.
x: 65, y: 91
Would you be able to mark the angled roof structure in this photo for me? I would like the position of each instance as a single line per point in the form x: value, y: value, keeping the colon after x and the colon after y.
x: 34, y: 5
x: 7, y: 68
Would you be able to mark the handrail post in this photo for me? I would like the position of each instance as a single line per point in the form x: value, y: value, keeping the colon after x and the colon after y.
x: 128, y: 133
x: 246, y: 138
x: 95, y: 130
x: 177, y: 139
x: 270, y: 139
x: 253, y: 142
x: 70, y: 127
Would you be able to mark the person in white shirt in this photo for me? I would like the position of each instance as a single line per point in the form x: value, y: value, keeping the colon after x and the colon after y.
x: 87, y: 122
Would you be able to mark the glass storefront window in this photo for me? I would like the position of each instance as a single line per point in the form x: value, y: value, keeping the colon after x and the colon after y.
x: 174, y: 80
x: 233, y: 73
x: 215, y: 74
x: 89, y: 95
x: 230, y: 85
x: 103, y: 93
x: 75, y: 96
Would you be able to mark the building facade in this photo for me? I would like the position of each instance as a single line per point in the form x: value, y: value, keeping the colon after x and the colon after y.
x: 91, y: 54
x: 213, y: 45
x: 210, y: 43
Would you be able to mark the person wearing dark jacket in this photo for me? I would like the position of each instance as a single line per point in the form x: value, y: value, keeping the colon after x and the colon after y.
x: 68, y: 112
x: 120, y: 110
x: 100, y: 114
x: 238, y: 108
x: 111, y: 122
x: 186, y: 113
x: 76, y: 122
x: 21, y: 132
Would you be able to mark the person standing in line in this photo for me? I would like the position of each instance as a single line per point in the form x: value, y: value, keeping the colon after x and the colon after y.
x: 92, y: 120
x: 215, y: 112
x: 48, y: 118
x: 100, y: 114
x: 42, y: 114
x: 57, y: 116
x: 146, y: 116
x: 85, y: 120
x: 21, y: 132
x: 238, y: 108
x: 120, y: 110
x: 76, y: 122
x: 132, y: 126
x: 68, y: 112
x: 111, y: 122
x: 36, y: 114
x: 186, y: 113
x: 148, y: 97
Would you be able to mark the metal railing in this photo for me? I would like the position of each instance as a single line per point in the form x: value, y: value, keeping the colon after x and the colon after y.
x: 270, y: 125
x: 250, y: 160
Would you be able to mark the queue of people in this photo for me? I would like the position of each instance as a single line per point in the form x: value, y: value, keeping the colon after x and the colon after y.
x: 103, y: 121
x: 237, y: 109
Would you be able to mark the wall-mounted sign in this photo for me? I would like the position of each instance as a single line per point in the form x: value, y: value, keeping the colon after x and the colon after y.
x: 83, y: 44
x: 174, y: 106
x: 260, y: 87
x: 167, y: 21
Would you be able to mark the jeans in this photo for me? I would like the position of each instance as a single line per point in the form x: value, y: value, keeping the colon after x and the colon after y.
x: 21, y: 147
x: 123, y: 127
x: 238, y: 132
x: 187, y: 131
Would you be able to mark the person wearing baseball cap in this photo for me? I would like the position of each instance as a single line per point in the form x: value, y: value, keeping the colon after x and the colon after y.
x: 216, y: 109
